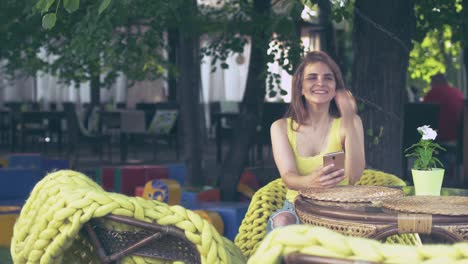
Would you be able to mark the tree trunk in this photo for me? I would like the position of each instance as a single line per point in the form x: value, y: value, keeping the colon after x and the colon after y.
x: 95, y: 95
x: 382, y: 34
x: 328, y: 40
x: 188, y: 90
x: 95, y: 86
x: 464, y: 40
x: 172, y: 82
x: 252, y: 102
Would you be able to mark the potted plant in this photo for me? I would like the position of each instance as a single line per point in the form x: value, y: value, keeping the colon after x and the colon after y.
x: 427, y: 171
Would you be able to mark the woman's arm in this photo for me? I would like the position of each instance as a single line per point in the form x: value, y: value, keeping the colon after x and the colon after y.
x: 354, y: 148
x: 353, y: 134
x: 286, y: 163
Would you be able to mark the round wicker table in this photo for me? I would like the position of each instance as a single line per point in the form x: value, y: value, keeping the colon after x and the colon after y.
x: 446, y: 217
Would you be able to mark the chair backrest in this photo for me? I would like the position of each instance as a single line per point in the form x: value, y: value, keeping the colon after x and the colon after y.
x: 32, y: 120
x: 164, y: 121
x: 150, y: 109
x: 137, y: 242
x: 214, y: 108
x: 14, y: 106
x: 121, y: 105
x: 72, y: 120
x: 74, y: 126
x: 229, y: 107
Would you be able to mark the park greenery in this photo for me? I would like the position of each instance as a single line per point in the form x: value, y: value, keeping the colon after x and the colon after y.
x: 87, y: 39
x: 438, y: 42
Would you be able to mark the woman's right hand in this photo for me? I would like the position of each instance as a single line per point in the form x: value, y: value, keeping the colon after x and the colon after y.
x: 325, y: 177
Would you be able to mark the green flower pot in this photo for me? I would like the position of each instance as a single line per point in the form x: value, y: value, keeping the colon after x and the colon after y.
x: 428, y: 182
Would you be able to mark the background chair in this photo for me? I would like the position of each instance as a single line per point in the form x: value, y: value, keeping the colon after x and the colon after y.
x: 33, y: 129
x: 78, y: 135
x: 162, y: 125
x: 224, y: 116
x: 6, y: 127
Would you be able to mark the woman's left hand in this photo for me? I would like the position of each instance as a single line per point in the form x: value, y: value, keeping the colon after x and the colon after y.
x: 346, y: 104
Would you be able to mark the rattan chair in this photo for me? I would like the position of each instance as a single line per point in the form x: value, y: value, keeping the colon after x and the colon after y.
x: 271, y: 197
x: 146, y: 240
x: 68, y: 218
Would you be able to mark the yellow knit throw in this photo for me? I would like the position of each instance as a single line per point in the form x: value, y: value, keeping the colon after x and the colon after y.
x: 324, y: 242
x: 47, y: 230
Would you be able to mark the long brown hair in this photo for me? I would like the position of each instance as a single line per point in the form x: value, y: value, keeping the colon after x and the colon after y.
x: 298, y: 108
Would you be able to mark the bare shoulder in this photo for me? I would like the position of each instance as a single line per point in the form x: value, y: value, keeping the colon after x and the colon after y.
x: 279, y: 125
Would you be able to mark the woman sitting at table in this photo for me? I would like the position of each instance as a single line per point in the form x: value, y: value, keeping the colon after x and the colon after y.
x: 321, y: 119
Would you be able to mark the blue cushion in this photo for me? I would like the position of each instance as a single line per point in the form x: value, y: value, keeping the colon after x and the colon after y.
x: 18, y: 183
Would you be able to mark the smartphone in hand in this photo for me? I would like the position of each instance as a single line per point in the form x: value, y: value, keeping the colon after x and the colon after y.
x: 336, y: 158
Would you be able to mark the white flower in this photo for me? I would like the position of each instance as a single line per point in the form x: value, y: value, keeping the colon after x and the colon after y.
x: 427, y: 133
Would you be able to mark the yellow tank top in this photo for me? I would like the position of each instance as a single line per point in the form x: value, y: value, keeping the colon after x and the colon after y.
x: 306, y: 165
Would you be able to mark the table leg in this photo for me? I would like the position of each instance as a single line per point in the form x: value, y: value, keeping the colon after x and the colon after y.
x: 218, y: 140
x: 123, y: 147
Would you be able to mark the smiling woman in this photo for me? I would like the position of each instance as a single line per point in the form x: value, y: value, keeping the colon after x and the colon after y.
x: 321, y: 119
x: 319, y: 84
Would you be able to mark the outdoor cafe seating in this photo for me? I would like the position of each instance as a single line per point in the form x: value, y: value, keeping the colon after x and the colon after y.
x: 344, y: 228
x: 97, y: 226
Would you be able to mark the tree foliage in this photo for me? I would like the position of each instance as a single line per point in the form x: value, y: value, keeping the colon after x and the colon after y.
x: 436, y: 53
x: 437, y: 41
x: 128, y: 36
x: 86, y: 41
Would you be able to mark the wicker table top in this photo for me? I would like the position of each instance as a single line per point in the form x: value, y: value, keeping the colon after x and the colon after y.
x: 442, y: 205
x: 446, y: 216
x: 352, y: 194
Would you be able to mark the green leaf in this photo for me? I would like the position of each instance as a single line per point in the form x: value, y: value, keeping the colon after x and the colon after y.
x: 48, y: 4
x: 376, y: 141
x: 224, y: 65
x: 104, y: 5
x: 370, y: 132
x: 283, y: 92
x: 40, y: 6
x: 272, y: 93
x: 437, y: 161
x: 360, y: 106
x: 48, y: 21
x: 71, y: 5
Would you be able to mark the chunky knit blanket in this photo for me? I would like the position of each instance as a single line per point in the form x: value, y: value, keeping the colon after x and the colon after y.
x: 320, y: 241
x: 47, y: 230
